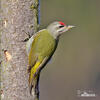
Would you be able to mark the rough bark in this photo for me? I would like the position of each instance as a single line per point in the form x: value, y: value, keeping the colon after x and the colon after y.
x: 17, y: 17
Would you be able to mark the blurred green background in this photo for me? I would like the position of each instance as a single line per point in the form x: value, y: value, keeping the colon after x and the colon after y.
x: 75, y: 66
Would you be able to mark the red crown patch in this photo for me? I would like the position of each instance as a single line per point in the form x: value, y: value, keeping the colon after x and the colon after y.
x: 62, y: 23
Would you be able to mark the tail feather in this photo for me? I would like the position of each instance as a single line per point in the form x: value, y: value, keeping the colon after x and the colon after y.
x: 30, y: 89
x: 31, y: 83
x: 32, y: 78
x: 33, y: 86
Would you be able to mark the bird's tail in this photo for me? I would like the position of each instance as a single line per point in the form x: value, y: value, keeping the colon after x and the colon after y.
x: 34, y: 77
x: 34, y: 86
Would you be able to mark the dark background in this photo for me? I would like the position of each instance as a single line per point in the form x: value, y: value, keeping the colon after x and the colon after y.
x: 75, y: 66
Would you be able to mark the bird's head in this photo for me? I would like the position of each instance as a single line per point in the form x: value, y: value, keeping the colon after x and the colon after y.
x: 57, y: 28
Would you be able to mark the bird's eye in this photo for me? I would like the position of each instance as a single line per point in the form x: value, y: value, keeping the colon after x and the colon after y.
x: 61, y: 26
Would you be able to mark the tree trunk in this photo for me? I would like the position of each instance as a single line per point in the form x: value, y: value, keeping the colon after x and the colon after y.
x: 17, y: 17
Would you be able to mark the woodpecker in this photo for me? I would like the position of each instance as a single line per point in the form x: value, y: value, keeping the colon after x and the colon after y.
x: 40, y: 48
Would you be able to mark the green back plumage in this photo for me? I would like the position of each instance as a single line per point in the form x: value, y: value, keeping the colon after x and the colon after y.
x: 42, y: 46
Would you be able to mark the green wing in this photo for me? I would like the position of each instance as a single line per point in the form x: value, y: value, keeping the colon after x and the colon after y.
x: 42, y: 46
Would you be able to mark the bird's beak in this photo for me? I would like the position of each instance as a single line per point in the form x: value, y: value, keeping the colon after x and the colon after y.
x: 70, y: 26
